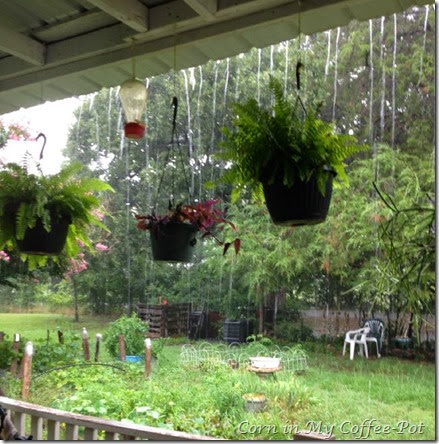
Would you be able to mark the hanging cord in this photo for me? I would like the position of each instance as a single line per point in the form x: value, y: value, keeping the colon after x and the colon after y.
x: 299, y: 65
x: 133, y: 59
x: 174, y: 141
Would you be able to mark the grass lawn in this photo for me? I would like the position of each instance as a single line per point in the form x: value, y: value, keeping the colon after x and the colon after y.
x: 35, y: 325
x: 334, y: 394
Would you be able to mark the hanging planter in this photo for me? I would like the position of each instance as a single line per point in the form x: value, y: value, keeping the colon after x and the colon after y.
x: 39, y: 241
x: 288, y: 154
x: 64, y: 200
x: 173, y: 237
x: 301, y: 204
x: 173, y: 242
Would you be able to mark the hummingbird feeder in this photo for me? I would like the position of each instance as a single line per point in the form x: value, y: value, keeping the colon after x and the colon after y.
x: 133, y: 98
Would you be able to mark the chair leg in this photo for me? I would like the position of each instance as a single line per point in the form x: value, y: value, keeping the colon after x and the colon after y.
x: 365, y: 350
x: 344, y: 348
x: 352, y: 350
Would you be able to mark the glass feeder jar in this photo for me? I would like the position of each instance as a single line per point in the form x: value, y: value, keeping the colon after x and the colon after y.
x: 133, y: 97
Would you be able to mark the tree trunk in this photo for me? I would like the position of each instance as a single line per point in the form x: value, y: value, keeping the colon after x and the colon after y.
x: 261, y: 317
x: 75, y: 298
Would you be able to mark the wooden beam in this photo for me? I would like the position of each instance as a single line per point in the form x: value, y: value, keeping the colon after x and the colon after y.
x: 22, y: 46
x: 73, y: 26
x: 204, y: 8
x: 131, y: 12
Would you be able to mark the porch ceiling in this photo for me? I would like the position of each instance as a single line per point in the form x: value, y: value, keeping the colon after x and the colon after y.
x: 73, y: 47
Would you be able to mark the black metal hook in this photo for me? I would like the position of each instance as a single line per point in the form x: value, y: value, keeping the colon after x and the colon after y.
x: 44, y: 143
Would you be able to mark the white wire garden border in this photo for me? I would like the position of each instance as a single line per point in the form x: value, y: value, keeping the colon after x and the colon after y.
x: 208, y: 354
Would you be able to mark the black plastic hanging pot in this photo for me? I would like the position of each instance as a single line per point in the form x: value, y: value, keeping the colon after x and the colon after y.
x: 173, y: 242
x: 37, y: 241
x: 301, y: 204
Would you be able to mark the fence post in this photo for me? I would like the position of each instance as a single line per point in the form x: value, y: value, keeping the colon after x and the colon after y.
x: 60, y: 337
x: 27, y: 369
x: 15, y: 347
x: 85, y: 346
x: 122, y: 347
x: 147, y: 358
x: 98, y: 342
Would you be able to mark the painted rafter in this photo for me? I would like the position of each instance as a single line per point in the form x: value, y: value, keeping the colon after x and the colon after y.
x: 131, y: 12
x: 21, y: 46
x: 204, y: 8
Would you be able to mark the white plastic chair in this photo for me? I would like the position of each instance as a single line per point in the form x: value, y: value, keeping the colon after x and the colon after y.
x: 356, y: 337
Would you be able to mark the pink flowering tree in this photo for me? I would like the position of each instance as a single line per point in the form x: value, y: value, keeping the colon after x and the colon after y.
x: 14, y: 131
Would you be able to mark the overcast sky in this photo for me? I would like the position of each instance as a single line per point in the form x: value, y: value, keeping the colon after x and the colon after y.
x: 51, y: 118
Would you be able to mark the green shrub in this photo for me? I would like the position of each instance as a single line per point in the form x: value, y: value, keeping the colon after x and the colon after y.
x: 6, y: 354
x: 133, y: 329
x: 293, y: 332
x: 48, y: 355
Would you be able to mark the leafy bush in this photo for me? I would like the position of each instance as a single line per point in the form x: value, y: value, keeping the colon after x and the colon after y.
x: 6, y: 354
x: 134, y: 331
x: 48, y: 355
x: 293, y: 332
x: 260, y: 339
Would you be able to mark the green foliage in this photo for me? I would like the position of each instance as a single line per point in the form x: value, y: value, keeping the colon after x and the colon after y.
x: 209, y: 401
x: 26, y: 198
x: 259, y: 339
x: 6, y: 354
x: 292, y: 332
x: 280, y: 144
x: 51, y: 354
x: 134, y: 331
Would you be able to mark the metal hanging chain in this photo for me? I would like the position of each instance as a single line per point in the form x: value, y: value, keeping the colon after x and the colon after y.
x: 299, y: 65
x: 174, y: 141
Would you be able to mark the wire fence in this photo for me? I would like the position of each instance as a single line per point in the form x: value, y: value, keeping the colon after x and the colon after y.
x: 292, y: 359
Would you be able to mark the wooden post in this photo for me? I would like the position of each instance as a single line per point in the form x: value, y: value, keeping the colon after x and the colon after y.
x: 60, y: 337
x: 85, y: 345
x: 15, y: 347
x: 98, y: 342
x: 48, y: 337
x: 147, y: 358
x: 122, y: 348
x: 27, y: 369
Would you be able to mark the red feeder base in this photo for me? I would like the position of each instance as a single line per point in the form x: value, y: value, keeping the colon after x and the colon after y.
x: 134, y: 130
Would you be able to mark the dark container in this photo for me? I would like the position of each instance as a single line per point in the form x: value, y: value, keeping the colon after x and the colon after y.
x: 173, y: 242
x: 237, y: 331
x: 301, y: 204
x: 38, y: 241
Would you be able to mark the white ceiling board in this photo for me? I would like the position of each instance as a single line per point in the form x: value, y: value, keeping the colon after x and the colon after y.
x: 21, y: 46
x: 131, y: 12
x: 84, y: 45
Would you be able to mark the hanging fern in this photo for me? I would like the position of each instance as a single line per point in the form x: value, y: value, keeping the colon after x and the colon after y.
x: 26, y: 199
x: 283, y: 144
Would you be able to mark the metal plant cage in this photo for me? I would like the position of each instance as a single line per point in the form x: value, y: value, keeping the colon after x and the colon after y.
x: 206, y: 354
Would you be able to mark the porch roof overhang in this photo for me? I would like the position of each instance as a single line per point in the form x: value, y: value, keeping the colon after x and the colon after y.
x: 55, y: 49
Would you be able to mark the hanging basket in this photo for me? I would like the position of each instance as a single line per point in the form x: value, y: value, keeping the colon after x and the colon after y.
x: 37, y: 241
x: 173, y: 242
x: 301, y: 204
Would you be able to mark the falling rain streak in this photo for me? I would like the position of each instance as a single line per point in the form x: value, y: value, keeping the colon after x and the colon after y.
x: 335, y: 73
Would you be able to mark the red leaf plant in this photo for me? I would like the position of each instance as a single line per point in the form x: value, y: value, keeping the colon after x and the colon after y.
x: 202, y: 215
